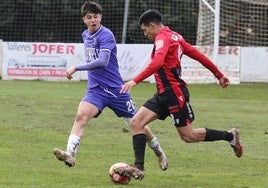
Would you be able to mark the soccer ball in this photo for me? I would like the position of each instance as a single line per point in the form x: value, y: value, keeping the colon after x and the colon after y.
x: 116, y: 178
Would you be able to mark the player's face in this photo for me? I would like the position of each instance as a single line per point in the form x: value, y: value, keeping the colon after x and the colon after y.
x: 92, y: 21
x: 149, y: 31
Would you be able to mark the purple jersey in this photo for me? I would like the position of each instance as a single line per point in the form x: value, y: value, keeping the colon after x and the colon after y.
x: 109, y: 76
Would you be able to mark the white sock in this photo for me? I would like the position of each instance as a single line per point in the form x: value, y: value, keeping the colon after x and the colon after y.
x: 153, y: 143
x: 73, y: 143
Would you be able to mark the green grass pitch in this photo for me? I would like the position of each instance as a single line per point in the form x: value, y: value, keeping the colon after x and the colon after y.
x: 36, y: 116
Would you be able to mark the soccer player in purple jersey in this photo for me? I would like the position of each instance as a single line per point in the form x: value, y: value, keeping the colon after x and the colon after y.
x: 103, y: 86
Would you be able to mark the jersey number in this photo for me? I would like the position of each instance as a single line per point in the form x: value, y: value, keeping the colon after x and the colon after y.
x: 130, y: 106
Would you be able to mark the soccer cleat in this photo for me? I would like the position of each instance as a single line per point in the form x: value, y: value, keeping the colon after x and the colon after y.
x: 65, y: 156
x: 235, y: 143
x: 130, y: 171
x: 163, y: 162
x: 162, y: 159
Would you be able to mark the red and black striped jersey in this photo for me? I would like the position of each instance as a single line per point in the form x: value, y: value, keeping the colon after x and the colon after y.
x: 169, y: 47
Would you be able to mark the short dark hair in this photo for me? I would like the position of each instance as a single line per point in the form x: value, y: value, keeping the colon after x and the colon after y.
x: 90, y: 7
x: 150, y: 16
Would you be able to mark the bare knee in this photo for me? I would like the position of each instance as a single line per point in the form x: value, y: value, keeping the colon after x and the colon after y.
x: 134, y: 123
x: 81, y: 117
x: 137, y: 126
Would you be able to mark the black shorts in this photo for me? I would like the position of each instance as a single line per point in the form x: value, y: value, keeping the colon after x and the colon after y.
x: 174, y: 103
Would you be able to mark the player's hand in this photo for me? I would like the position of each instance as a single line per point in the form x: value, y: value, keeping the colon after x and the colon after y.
x: 224, y: 82
x: 127, y: 86
x: 70, y: 72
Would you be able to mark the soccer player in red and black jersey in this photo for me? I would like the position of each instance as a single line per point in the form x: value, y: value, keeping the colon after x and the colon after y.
x: 172, y: 96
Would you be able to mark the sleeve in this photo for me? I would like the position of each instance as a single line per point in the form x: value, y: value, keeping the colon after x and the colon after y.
x: 100, y: 62
x: 192, y: 52
x: 160, y: 50
x: 107, y: 40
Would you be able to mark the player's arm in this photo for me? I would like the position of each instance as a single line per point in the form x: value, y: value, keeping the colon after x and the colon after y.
x: 100, y: 62
x: 107, y: 43
x: 192, y: 52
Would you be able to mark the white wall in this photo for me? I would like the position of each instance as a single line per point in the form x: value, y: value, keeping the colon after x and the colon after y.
x: 254, y: 64
x: 1, y: 50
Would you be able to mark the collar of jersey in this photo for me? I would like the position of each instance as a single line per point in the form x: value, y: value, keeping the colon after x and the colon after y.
x: 95, y: 33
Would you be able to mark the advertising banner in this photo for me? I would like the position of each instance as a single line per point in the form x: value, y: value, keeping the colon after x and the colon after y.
x: 49, y: 61
x: 46, y: 61
x: 132, y: 59
x: 228, y: 61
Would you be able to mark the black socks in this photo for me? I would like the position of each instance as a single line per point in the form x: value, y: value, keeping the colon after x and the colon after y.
x: 139, y: 144
x: 214, y: 135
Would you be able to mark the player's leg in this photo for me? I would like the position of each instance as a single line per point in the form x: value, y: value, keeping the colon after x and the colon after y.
x: 89, y: 107
x: 154, y: 144
x: 123, y: 106
x: 182, y: 120
x: 143, y: 117
x: 190, y: 135
x: 85, y: 112
x: 153, y: 108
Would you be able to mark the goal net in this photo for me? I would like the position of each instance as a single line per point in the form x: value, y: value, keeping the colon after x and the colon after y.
x: 60, y: 21
x: 242, y: 23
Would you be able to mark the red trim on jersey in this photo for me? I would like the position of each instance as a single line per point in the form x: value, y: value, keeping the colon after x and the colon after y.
x: 165, y: 64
